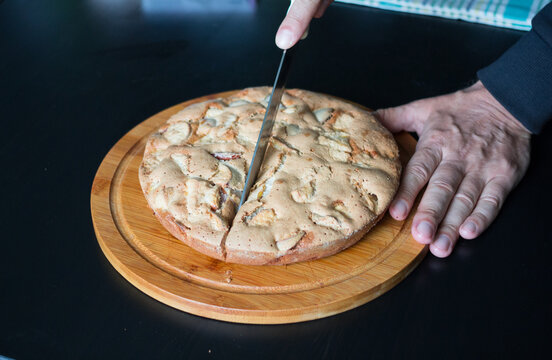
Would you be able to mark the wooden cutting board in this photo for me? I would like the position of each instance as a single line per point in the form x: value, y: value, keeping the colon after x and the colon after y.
x: 168, y: 270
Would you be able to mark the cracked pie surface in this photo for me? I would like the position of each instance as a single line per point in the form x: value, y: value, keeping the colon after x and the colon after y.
x: 329, y: 174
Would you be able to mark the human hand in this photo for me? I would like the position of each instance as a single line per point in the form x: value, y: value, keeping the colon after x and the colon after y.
x: 471, y: 153
x: 298, y: 19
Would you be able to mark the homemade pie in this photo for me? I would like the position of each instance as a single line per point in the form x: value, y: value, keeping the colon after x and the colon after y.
x: 329, y: 174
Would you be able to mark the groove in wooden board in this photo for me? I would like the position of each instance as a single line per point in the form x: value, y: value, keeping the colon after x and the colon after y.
x: 136, y: 226
x: 133, y: 241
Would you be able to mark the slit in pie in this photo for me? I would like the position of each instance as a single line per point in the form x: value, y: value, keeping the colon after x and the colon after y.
x: 329, y: 174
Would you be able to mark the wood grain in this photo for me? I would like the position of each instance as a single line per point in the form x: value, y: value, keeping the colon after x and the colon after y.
x: 168, y: 270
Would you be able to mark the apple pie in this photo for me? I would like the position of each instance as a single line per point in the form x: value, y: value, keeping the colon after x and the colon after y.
x: 329, y: 174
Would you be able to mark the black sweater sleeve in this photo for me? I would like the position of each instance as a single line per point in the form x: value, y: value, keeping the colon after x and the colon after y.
x: 521, y: 79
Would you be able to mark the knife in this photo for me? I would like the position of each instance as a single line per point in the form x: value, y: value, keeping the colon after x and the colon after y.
x: 268, y: 122
x: 269, y: 118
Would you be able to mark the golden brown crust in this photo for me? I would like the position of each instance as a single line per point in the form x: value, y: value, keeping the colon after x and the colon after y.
x: 302, y: 252
x: 180, y: 232
x: 328, y: 176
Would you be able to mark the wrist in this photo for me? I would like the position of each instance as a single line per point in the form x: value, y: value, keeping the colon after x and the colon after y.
x: 491, y: 105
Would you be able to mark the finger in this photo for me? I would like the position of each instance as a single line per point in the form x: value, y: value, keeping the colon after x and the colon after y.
x: 322, y: 8
x: 487, y: 208
x: 433, y: 206
x: 460, y: 208
x: 416, y: 174
x: 409, y: 117
x: 295, y: 23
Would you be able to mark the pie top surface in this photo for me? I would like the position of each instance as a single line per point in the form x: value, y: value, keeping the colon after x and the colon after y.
x: 330, y: 171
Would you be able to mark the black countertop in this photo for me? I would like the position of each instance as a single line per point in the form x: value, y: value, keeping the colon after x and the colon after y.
x: 76, y: 76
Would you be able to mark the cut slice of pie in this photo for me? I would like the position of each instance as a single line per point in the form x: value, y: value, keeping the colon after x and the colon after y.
x: 329, y: 174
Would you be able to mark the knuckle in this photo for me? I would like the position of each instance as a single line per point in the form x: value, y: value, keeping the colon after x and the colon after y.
x: 430, y: 213
x: 406, y: 194
x: 294, y: 20
x: 468, y: 200
x: 419, y: 172
x: 481, y: 219
x: 443, y: 185
x: 493, y: 200
x: 450, y: 229
x: 302, y: 12
x: 429, y: 153
x: 453, y: 164
x: 435, y: 138
x: 508, y: 167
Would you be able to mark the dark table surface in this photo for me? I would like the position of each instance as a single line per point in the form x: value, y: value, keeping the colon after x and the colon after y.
x: 77, y: 75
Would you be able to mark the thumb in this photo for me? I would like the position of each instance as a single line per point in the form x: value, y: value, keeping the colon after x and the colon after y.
x: 409, y: 117
x: 296, y: 22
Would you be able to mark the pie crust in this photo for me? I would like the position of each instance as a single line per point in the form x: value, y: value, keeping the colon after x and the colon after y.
x: 329, y: 174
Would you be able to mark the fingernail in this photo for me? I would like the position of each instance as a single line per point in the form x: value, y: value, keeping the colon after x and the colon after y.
x: 470, y: 227
x: 442, y: 243
x: 425, y: 229
x: 400, y: 209
x: 284, y: 39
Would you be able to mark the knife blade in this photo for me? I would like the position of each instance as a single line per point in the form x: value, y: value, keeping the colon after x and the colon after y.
x: 268, y: 123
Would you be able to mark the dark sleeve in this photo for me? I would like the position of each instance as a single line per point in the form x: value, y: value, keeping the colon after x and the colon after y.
x: 521, y: 79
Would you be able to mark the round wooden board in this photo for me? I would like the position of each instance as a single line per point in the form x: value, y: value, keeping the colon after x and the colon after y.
x: 168, y: 270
